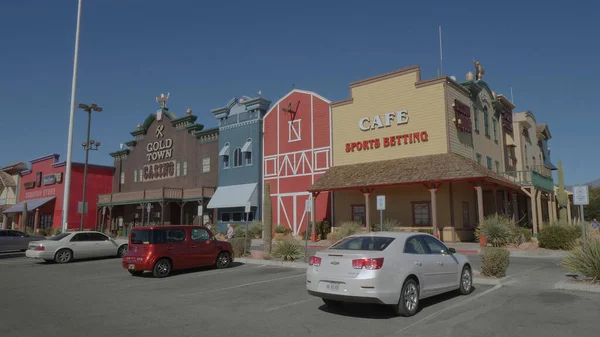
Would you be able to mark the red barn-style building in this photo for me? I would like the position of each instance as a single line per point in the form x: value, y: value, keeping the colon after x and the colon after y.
x: 296, y: 152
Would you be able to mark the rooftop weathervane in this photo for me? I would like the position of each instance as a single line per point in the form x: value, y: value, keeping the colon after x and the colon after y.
x: 479, y: 71
x: 162, y: 100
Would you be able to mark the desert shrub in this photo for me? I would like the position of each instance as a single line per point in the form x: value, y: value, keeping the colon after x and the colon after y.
x: 41, y: 232
x: 239, y: 247
x: 558, y: 235
x: 495, y: 261
x: 498, y: 230
x: 345, y: 229
x: 428, y: 231
x: 389, y: 225
x: 281, y: 229
x: 323, y: 228
x: 49, y: 231
x: 58, y: 231
x: 523, y: 233
x: 288, y: 250
x: 586, y: 263
x: 256, y: 229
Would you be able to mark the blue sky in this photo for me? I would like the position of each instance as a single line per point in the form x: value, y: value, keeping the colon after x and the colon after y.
x: 205, y: 53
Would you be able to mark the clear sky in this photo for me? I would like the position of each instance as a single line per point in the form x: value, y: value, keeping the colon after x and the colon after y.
x: 206, y: 52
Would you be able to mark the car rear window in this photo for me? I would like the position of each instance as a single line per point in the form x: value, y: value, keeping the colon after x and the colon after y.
x: 59, y: 236
x: 373, y: 243
x: 156, y: 236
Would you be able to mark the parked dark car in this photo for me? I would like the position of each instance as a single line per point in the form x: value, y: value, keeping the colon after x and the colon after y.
x: 11, y: 240
x: 161, y: 249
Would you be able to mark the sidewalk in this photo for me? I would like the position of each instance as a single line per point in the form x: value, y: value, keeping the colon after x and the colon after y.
x: 467, y: 248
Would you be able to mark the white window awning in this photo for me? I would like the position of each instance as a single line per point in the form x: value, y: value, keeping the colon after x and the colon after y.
x: 248, y: 146
x: 224, y: 151
x: 234, y: 196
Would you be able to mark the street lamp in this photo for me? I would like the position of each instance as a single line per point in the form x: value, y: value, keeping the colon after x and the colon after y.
x: 87, y: 146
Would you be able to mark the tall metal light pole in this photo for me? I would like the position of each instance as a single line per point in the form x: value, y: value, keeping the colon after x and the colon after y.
x: 87, y: 146
x: 67, y: 190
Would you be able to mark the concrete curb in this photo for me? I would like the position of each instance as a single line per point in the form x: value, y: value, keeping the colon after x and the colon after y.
x: 302, y: 265
x: 564, y: 285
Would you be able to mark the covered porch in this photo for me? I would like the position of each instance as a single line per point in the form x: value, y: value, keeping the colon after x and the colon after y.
x: 446, y: 194
x: 230, y: 203
x: 118, y: 212
x: 40, y: 214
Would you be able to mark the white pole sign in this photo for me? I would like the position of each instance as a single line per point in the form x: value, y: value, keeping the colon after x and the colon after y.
x: 308, y: 206
x: 581, y: 195
x: 200, y: 209
x: 247, y: 210
x: 381, y: 202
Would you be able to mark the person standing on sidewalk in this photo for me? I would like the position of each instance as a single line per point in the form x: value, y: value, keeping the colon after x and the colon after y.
x: 230, y: 232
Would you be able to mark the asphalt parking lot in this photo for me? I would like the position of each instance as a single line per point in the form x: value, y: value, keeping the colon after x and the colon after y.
x: 99, y: 298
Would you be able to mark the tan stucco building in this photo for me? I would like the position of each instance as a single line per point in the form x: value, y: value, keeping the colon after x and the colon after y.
x: 10, y: 178
x: 441, y: 152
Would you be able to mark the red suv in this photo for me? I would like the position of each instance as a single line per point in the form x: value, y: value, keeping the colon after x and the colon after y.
x: 161, y: 249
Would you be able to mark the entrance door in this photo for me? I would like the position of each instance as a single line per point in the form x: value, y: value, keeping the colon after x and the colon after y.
x: 292, y: 212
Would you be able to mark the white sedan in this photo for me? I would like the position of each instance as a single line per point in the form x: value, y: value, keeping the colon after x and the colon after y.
x: 392, y: 268
x: 66, y: 247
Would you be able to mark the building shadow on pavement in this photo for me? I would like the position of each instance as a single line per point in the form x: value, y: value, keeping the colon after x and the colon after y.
x: 375, y: 311
x: 11, y: 255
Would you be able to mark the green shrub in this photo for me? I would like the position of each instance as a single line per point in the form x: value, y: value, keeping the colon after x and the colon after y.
x: 323, y: 228
x: 494, y: 262
x: 586, y: 263
x: 288, y: 250
x: 58, y: 231
x: 389, y: 225
x: 498, y: 230
x: 41, y: 232
x: 345, y: 229
x: 523, y: 233
x: 558, y: 235
x: 238, y: 245
x: 428, y: 231
x: 255, y: 229
x: 281, y: 229
x: 49, y: 231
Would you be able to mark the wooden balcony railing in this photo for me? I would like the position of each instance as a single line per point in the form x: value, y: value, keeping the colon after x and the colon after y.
x: 537, y: 177
x: 157, y: 194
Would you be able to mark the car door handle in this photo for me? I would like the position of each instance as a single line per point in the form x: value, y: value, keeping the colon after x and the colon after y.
x: 170, y: 248
x: 194, y: 246
x: 418, y: 263
x: 440, y: 263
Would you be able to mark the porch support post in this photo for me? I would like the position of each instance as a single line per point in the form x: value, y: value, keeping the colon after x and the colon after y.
x: 367, y: 193
x: 540, y: 218
x: 18, y: 220
x: 162, y: 213
x: 550, y: 212
x: 570, y: 219
x: 182, y: 206
x: 452, y: 223
x: 36, y: 221
x: 434, y: 225
x: 495, y: 193
x: 313, y: 217
x: 554, y: 213
x: 479, y: 189
x: 5, y: 221
x: 143, y: 217
x: 505, y: 203
x: 513, y: 201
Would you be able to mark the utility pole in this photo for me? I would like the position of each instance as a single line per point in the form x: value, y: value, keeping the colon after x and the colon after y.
x: 87, y: 146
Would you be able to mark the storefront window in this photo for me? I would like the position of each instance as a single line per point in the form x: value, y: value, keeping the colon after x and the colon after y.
x: 358, y: 214
x: 465, y: 212
x: 421, y: 213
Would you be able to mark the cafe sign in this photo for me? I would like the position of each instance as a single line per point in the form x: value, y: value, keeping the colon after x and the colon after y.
x: 377, y: 122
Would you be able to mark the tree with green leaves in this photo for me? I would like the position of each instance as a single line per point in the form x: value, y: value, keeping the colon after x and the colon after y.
x: 267, y: 220
x: 24, y: 218
x: 592, y: 211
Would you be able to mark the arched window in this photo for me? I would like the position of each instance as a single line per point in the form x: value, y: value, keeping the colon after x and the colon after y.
x: 486, y: 121
x: 237, y: 157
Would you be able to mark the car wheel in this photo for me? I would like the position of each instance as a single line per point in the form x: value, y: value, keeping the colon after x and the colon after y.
x: 466, y: 281
x: 409, y: 299
x: 136, y: 272
x: 331, y: 303
x: 162, y: 268
x: 223, y: 260
x: 122, y: 251
x: 63, y: 256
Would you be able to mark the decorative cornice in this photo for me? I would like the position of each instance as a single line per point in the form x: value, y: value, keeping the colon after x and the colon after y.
x: 238, y: 125
x: 53, y: 156
x: 131, y: 143
x: 119, y: 153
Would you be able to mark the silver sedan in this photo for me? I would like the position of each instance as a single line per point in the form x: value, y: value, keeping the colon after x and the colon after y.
x: 65, y: 247
x: 392, y: 268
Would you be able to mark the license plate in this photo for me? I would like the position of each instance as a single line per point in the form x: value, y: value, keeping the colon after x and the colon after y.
x: 132, y: 266
x: 333, y: 286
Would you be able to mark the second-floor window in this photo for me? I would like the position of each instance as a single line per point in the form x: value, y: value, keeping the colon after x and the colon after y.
x: 122, y: 178
x: 185, y: 168
x: 479, y: 158
x: 294, y: 131
x: 135, y: 176
x: 476, y: 119
x: 497, y: 166
x: 495, y: 128
x: 489, y: 162
x: 237, y: 157
x: 486, y: 121
x: 178, y: 169
x: 205, y: 164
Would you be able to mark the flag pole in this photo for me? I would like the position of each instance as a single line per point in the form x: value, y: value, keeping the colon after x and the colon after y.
x: 67, y: 190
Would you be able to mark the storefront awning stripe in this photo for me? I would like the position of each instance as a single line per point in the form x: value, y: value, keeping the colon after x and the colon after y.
x: 31, y: 205
x: 224, y: 151
x: 234, y: 196
x: 445, y: 167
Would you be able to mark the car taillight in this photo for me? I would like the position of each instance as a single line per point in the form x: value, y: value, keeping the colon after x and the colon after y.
x: 314, y: 261
x: 369, y: 264
x: 39, y: 248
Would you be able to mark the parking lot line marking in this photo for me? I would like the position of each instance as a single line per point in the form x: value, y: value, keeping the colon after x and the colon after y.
x: 243, y: 285
x: 469, y: 299
x: 182, y: 277
x: 263, y: 265
x: 289, y: 305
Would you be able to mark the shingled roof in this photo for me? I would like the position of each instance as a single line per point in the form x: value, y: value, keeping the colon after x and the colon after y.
x: 6, y: 180
x: 440, y: 168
